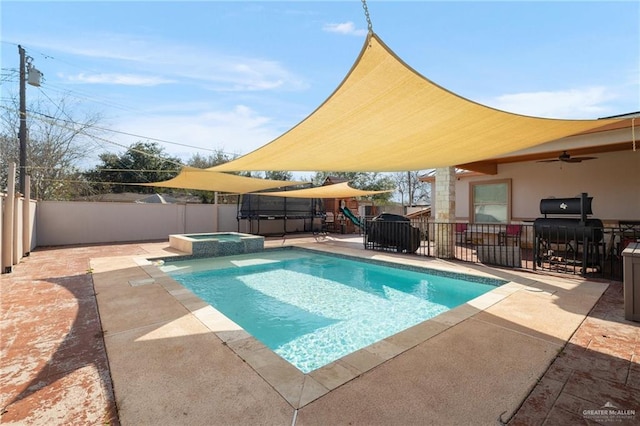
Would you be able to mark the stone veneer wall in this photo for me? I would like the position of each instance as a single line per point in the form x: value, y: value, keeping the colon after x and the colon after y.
x: 445, y: 197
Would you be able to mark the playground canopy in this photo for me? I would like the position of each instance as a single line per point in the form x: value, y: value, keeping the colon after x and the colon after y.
x: 386, y: 117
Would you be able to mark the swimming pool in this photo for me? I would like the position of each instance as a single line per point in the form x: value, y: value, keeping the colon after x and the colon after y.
x: 312, y: 308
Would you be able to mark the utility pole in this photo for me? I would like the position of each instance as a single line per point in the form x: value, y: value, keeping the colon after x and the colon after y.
x: 34, y: 80
x: 22, y: 133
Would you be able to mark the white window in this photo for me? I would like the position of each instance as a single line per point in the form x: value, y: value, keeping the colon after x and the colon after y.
x: 491, y: 201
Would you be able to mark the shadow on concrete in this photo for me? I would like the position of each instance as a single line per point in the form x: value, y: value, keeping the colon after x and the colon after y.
x: 65, y: 325
x: 597, y: 368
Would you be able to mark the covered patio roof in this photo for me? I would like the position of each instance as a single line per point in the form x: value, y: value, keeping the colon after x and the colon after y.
x: 620, y: 136
x: 385, y: 116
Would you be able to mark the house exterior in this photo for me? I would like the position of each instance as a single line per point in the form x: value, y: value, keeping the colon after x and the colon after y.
x: 488, y: 199
x: 508, y: 189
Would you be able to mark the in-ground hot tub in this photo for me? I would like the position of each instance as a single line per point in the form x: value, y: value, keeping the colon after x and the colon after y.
x: 216, y: 243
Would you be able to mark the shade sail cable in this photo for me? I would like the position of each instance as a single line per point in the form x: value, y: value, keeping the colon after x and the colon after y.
x: 367, y: 17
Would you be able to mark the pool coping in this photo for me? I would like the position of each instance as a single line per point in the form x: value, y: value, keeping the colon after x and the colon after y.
x: 296, y: 387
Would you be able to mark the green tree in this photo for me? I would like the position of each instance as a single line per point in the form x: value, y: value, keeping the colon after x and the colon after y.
x: 143, y: 162
x: 214, y: 159
x: 276, y: 175
x: 202, y: 162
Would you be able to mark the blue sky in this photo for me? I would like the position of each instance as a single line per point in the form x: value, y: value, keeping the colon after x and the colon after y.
x: 235, y: 75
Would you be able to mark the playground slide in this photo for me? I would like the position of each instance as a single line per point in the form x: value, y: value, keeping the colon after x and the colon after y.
x: 345, y: 211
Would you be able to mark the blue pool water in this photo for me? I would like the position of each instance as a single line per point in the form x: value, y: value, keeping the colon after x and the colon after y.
x: 312, y: 309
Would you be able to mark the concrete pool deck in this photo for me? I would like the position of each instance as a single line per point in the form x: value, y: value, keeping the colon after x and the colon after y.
x: 169, y: 367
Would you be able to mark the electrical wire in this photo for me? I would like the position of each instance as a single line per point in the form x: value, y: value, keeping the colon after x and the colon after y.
x: 109, y: 170
x: 52, y: 121
x: 90, y: 182
x: 55, y: 121
x: 122, y: 132
x: 90, y: 98
x: 110, y: 104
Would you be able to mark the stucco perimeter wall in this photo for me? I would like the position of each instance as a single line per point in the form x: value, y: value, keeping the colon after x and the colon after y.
x: 228, y: 218
x: 612, y: 179
x: 14, y: 245
x: 66, y: 223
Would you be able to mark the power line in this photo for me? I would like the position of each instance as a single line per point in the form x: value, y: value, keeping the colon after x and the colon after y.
x: 56, y: 122
x: 13, y: 78
x: 121, y: 132
x: 111, y: 170
x: 54, y: 103
x: 90, y: 98
x: 110, y: 104
x: 79, y: 94
x: 9, y: 75
x: 53, y: 121
x: 94, y: 182
x: 49, y: 57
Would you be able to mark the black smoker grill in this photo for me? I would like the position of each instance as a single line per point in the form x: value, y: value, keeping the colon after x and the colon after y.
x: 558, y: 239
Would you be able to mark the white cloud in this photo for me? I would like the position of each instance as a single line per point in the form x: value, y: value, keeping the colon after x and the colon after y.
x: 347, y: 28
x: 225, y: 73
x: 590, y: 102
x: 94, y: 52
x: 117, y: 79
x: 218, y: 71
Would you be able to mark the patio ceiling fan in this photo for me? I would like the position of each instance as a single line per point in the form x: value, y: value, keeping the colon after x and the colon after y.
x: 566, y: 158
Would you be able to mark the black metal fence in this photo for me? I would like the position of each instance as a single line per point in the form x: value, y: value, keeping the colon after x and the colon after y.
x: 587, y: 251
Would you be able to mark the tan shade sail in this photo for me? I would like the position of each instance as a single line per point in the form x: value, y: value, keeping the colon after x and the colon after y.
x: 386, y: 117
x: 338, y: 190
x: 208, y: 180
